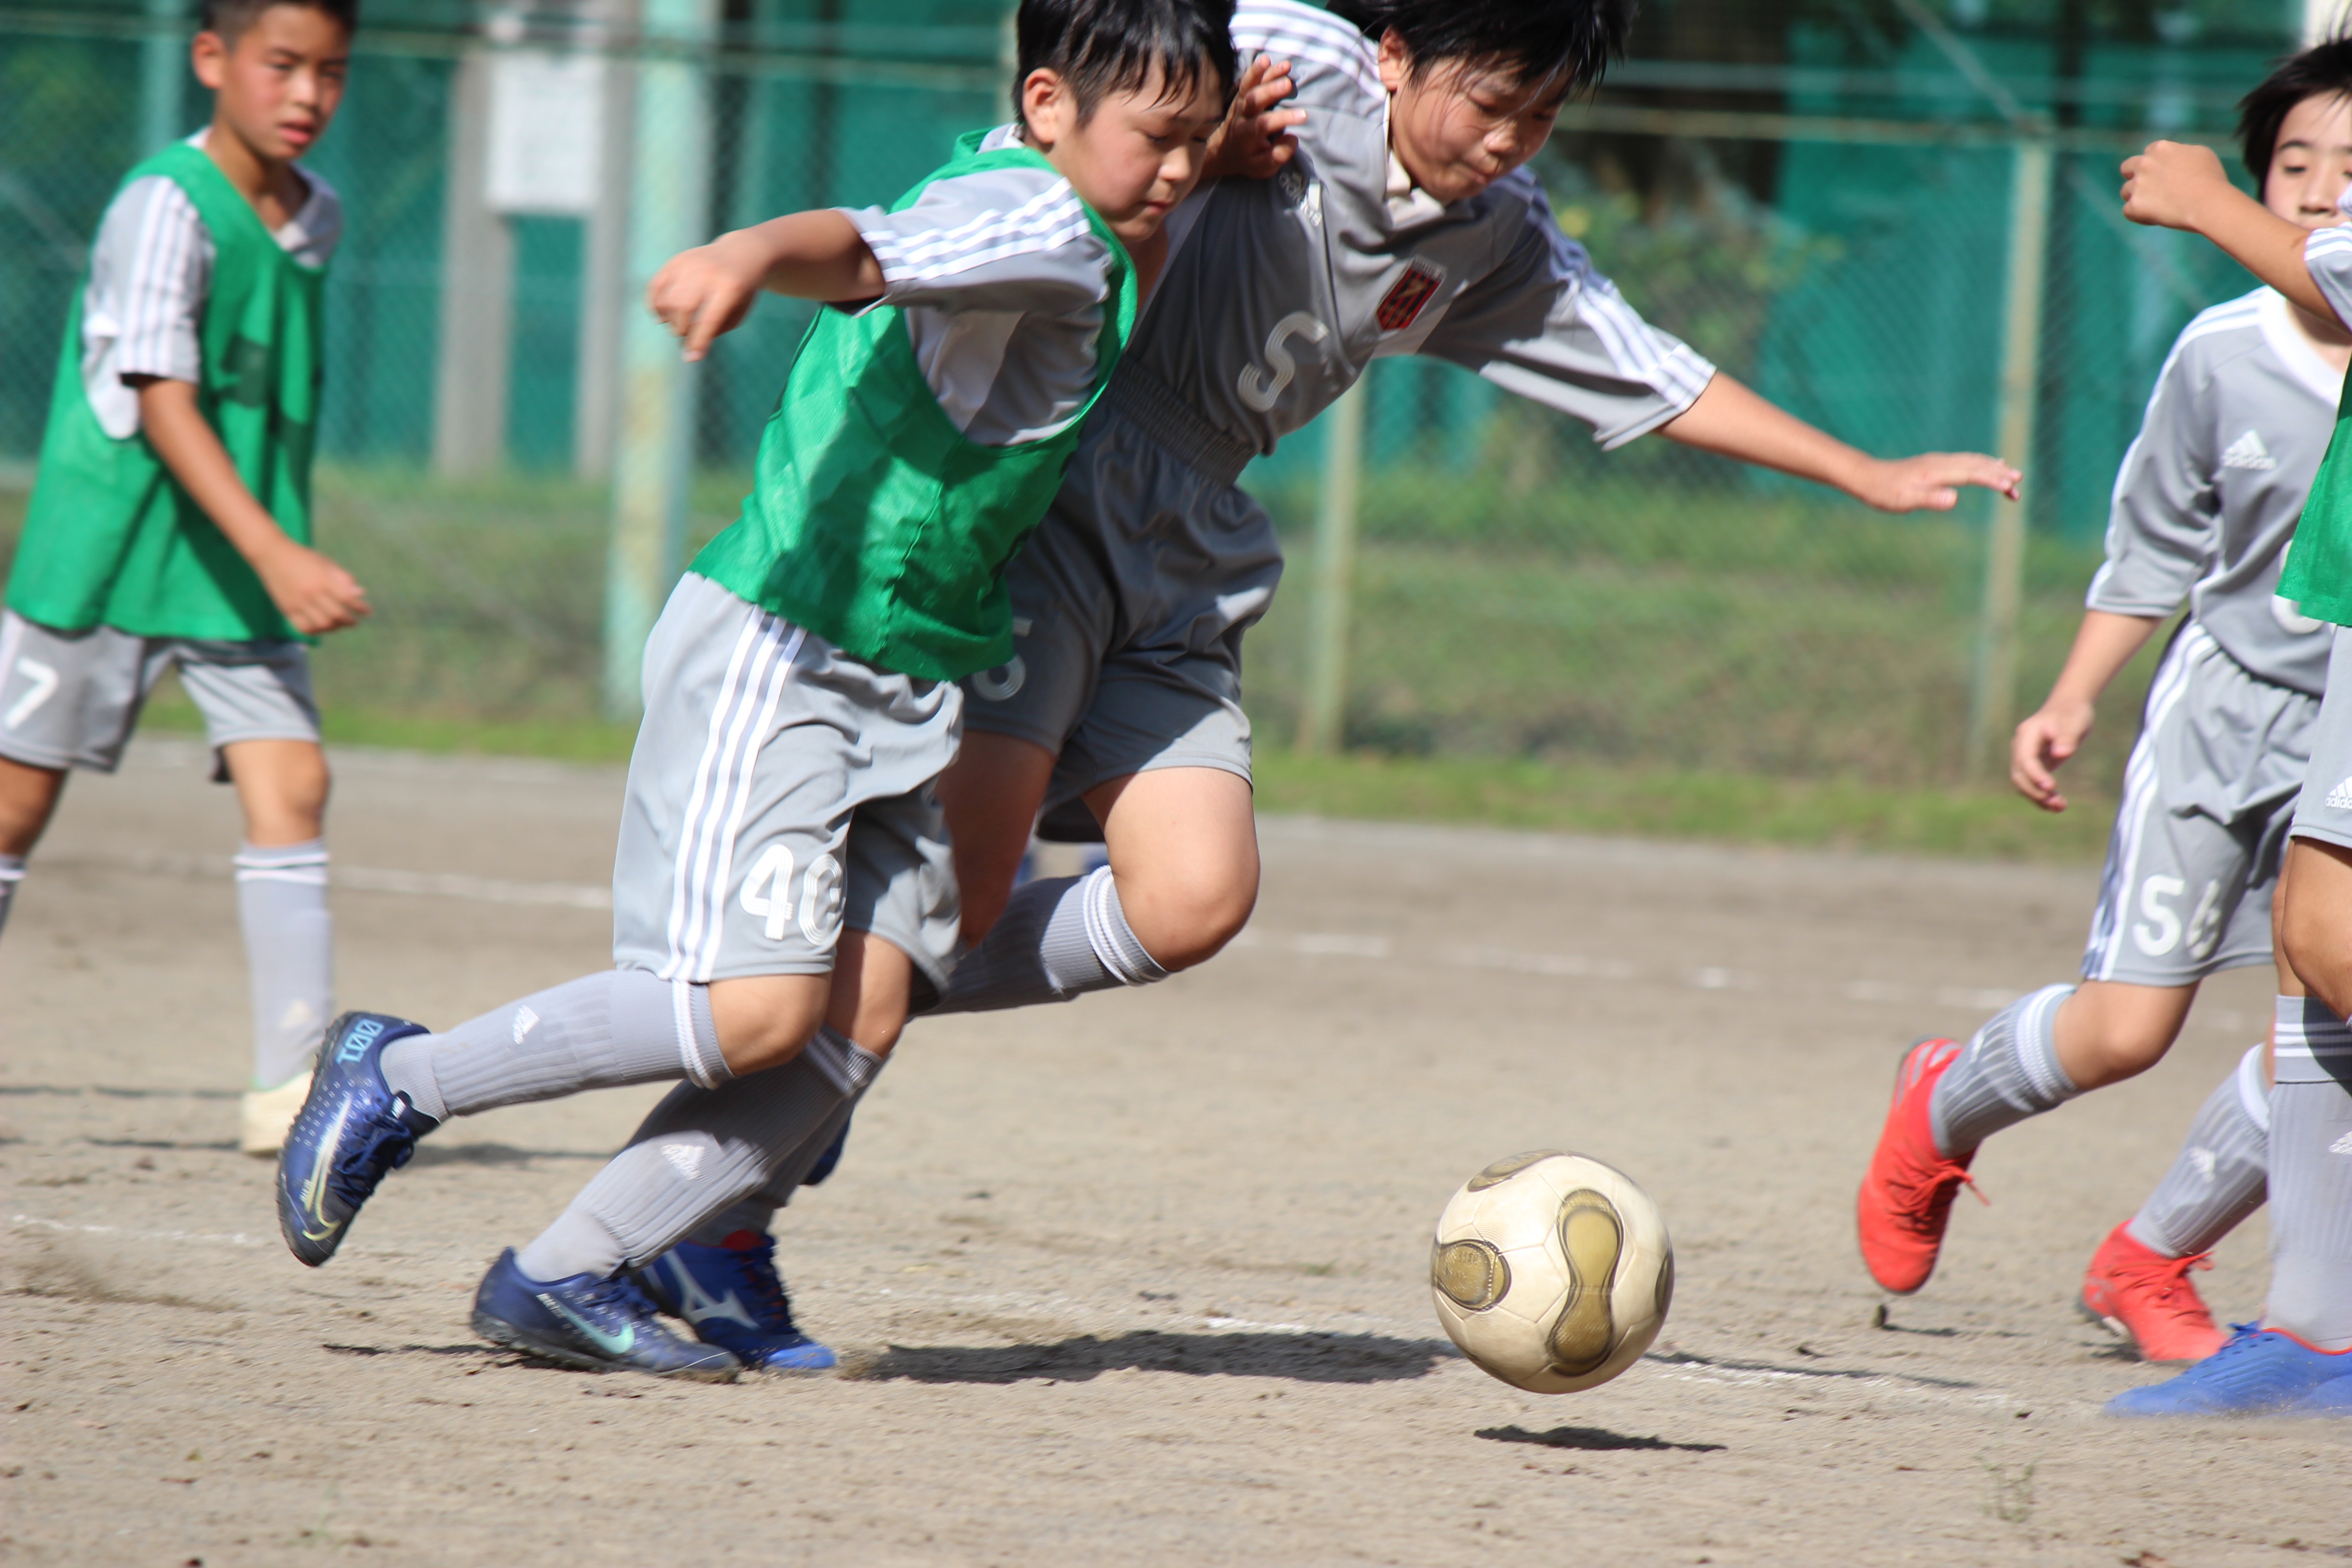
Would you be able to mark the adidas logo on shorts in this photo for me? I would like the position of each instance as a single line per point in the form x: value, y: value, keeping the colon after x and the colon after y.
x: 2340, y: 797
x: 2248, y: 452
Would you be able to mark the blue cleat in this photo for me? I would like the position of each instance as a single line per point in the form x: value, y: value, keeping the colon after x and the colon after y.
x: 350, y: 1132
x: 731, y: 1296
x: 596, y: 1325
x: 2261, y: 1372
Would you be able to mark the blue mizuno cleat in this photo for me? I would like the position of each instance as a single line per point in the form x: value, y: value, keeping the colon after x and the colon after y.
x: 2261, y: 1372
x: 350, y: 1131
x: 596, y: 1325
x: 731, y: 1296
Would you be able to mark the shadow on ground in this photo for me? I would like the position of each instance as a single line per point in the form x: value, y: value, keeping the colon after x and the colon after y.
x: 431, y: 1154
x: 1590, y: 1439
x: 1304, y: 1358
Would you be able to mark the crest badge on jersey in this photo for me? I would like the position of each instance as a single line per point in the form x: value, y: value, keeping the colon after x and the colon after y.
x: 1401, y: 305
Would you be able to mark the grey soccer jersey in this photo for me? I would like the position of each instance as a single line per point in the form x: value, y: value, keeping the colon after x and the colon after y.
x: 1002, y: 283
x: 2206, y: 500
x: 1280, y: 292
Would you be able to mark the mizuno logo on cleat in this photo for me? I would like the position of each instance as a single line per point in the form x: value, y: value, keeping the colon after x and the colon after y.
x: 612, y: 1344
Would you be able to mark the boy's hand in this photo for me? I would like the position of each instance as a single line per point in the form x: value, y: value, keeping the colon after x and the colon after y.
x: 2041, y: 744
x: 2172, y: 183
x: 1931, y: 481
x: 311, y: 590
x: 702, y: 293
x: 1255, y: 140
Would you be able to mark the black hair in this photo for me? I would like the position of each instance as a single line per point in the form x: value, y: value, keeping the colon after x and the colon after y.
x: 1535, y: 40
x: 2323, y: 69
x: 1102, y: 46
x: 230, y: 18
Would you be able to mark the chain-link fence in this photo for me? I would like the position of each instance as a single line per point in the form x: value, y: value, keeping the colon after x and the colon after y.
x: 1906, y: 234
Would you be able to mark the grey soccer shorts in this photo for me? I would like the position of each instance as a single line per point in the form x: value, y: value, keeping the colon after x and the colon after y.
x: 1129, y: 603
x: 70, y: 699
x: 2208, y: 797
x: 781, y: 790
x: 2324, y: 811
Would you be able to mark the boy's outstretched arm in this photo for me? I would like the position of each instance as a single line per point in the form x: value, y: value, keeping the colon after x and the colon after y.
x: 309, y: 589
x: 1733, y: 421
x: 2179, y: 184
x: 2055, y: 732
x: 702, y: 293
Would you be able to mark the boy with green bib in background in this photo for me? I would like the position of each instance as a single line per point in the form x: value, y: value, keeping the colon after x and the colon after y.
x: 170, y: 522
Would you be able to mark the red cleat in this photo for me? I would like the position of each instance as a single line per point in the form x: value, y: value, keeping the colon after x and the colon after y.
x: 1906, y: 1197
x: 2147, y: 1298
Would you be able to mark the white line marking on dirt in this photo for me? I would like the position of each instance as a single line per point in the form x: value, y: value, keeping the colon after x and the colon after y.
x: 378, y: 879
x: 202, y: 1237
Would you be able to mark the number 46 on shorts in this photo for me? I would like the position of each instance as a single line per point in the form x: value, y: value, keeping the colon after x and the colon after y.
x: 767, y: 893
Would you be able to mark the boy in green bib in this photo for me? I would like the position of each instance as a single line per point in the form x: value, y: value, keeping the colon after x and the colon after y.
x: 170, y: 523
x: 782, y: 891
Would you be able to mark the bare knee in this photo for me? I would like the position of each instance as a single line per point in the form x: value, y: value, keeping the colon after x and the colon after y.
x: 764, y: 1021
x: 1186, y: 917
x: 2108, y: 1031
x: 28, y: 795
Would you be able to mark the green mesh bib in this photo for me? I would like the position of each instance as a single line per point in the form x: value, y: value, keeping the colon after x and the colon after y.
x: 111, y: 539
x: 873, y: 521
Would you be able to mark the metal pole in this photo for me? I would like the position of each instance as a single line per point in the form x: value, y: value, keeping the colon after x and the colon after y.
x: 163, y: 65
x: 2020, y: 353
x: 1323, y: 720
x: 472, y: 359
x: 653, y: 456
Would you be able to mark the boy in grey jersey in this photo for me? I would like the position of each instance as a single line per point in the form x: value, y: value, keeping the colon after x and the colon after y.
x: 2204, y: 510
x: 1381, y: 231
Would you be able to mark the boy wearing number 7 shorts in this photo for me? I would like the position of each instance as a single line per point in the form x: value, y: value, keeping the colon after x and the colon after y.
x: 170, y: 523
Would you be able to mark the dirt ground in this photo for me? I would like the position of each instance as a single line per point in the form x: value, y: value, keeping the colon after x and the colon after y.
x: 1139, y: 1280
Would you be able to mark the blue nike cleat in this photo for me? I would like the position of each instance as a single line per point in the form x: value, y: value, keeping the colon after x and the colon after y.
x: 731, y: 1296
x: 350, y: 1131
x: 2261, y: 1372
x: 596, y: 1325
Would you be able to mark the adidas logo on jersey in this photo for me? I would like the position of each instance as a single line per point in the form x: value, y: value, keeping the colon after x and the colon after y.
x: 2248, y: 452
x: 2340, y: 797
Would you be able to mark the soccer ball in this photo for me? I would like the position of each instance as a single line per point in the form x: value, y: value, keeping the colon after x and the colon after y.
x: 1553, y: 1271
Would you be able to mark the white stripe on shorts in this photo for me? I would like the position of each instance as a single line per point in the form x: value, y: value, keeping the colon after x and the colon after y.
x: 2141, y: 796
x: 759, y: 667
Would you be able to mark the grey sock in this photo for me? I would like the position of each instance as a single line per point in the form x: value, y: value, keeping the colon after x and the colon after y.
x: 701, y: 1152
x: 757, y: 1212
x: 622, y: 1027
x: 289, y: 951
x: 2008, y: 1072
x: 2221, y: 1171
x: 2311, y: 1190
x: 12, y: 871
x: 1059, y: 938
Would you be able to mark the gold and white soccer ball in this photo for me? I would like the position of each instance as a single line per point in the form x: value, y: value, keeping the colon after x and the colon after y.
x: 1553, y: 1271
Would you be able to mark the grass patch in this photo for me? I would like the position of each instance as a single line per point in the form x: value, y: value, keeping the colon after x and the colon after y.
x: 1651, y: 803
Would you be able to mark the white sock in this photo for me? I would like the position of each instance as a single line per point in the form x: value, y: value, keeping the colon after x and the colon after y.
x: 12, y: 871
x: 289, y: 952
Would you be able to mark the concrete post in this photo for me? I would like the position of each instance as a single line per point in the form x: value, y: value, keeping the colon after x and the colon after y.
x: 670, y: 204
x: 162, y: 74
x: 604, y: 262
x: 477, y: 263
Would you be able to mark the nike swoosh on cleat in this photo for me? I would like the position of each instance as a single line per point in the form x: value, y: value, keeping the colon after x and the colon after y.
x: 614, y: 1345
x: 314, y: 1191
